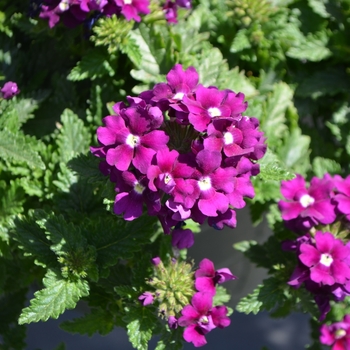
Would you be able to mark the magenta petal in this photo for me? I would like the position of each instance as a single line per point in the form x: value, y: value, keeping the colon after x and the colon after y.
x: 319, y: 274
x: 189, y: 316
x: 143, y: 158
x: 191, y: 335
x: 155, y: 139
x: 219, y: 315
x: 324, y: 241
x: 206, y: 285
x: 130, y: 204
x: 310, y: 255
x: 120, y: 156
x: 218, y: 202
x: 202, y: 302
x: 206, y: 268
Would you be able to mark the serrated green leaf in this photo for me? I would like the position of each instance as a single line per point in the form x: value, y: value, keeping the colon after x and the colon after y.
x: 295, y: 152
x: 33, y: 241
x: 74, y: 138
x: 264, y: 297
x: 241, y: 41
x: 171, y: 339
x: 96, y: 63
x: 273, y: 120
x: 313, y: 48
x: 14, y: 147
x: 11, y: 198
x: 101, y: 321
x: 321, y: 166
x: 274, y: 171
x: 221, y: 297
x: 140, y: 324
x: 58, y: 295
x: 319, y: 7
x: 87, y: 166
x: 243, y: 246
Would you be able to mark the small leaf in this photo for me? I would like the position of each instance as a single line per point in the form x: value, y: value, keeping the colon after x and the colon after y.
x: 98, y: 320
x: 58, y: 295
x: 14, y: 147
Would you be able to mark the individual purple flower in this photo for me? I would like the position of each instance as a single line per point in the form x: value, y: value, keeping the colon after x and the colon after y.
x: 200, y: 318
x: 130, y: 142
x: 337, y: 334
x: 9, y: 90
x: 326, y: 259
x: 167, y: 168
x: 207, y: 277
x: 172, y: 322
x: 156, y: 261
x: 146, y: 298
x: 342, y: 196
x: 133, y: 193
x: 170, y: 11
x: 131, y: 8
x: 182, y: 239
x: 210, y: 103
x: 307, y: 207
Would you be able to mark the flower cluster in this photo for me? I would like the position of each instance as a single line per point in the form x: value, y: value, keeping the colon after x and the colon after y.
x: 9, y: 90
x: 183, y: 150
x: 319, y: 213
x: 75, y: 12
x: 175, y: 285
x: 337, y: 334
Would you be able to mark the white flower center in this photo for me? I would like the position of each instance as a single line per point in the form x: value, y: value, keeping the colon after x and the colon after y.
x: 306, y: 200
x: 204, y: 183
x: 214, y: 112
x: 204, y: 319
x: 138, y: 188
x: 340, y: 333
x: 179, y: 96
x: 127, y: 2
x: 167, y: 178
x: 63, y: 5
x: 326, y: 259
x: 228, y: 138
x: 132, y: 140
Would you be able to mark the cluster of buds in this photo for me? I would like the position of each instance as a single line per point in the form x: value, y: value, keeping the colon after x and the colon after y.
x: 9, y: 90
x: 183, y: 150
x: 185, y: 298
x: 75, y: 12
x: 319, y: 214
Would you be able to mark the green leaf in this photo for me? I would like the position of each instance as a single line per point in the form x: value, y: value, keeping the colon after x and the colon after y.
x: 96, y: 63
x: 140, y: 324
x: 87, y: 166
x: 241, y: 41
x: 98, y: 320
x: 221, y: 297
x: 74, y: 138
x: 274, y: 118
x: 14, y: 147
x: 319, y: 7
x: 321, y: 166
x: 12, y: 198
x: 272, y: 169
x: 264, y: 297
x: 58, y: 295
x: 295, y: 152
x: 171, y: 339
x: 33, y: 241
x: 313, y: 48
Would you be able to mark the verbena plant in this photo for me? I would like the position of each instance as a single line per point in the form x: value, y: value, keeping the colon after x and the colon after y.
x: 126, y: 125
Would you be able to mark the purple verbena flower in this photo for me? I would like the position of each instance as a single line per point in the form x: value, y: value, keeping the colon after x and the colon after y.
x: 131, y: 8
x: 337, y: 334
x: 207, y: 277
x: 133, y: 193
x: 146, y: 298
x: 200, y: 318
x: 9, y: 90
x: 182, y: 239
x: 342, y: 196
x: 210, y: 103
x: 307, y: 207
x: 326, y: 259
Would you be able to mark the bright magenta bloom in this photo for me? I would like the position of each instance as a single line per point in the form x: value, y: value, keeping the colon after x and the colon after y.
x: 337, y: 334
x: 326, y: 260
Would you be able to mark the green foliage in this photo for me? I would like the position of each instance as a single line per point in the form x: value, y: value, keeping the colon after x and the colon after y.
x: 101, y: 321
x: 58, y: 295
